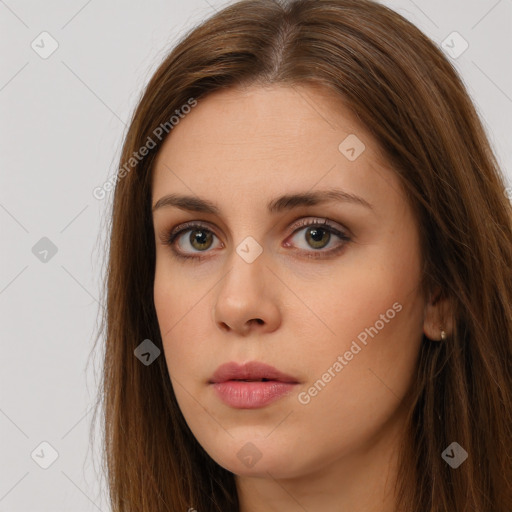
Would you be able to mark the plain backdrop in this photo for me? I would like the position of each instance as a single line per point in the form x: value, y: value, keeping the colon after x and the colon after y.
x: 62, y: 121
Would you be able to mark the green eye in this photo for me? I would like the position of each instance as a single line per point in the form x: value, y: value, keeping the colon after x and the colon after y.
x: 317, y: 236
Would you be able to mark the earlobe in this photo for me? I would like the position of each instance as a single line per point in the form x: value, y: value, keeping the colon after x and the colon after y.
x: 437, y: 318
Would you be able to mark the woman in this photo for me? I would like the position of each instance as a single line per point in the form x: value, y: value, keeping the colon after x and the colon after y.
x: 309, y: 283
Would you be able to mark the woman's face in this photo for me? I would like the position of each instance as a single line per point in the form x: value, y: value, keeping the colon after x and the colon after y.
x: 335, y: 309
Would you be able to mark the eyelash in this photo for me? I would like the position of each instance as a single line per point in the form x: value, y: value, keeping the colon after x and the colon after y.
x: 170, y: 238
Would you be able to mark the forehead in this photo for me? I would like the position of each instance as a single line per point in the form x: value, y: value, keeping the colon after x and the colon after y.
x: 261, y: 141
x: 275, y: 117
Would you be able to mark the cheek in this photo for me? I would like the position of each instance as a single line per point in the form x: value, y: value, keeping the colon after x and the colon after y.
x: 173, y: 294
x: 173, y: 306
x: 374, y: 347
x: 374, y: 301
x: 371, y: 315
x: 181, y: 317
x: 184, y: 318
x: 350, y: 401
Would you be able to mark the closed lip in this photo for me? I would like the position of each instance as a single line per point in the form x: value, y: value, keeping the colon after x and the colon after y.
x: 251, y: 371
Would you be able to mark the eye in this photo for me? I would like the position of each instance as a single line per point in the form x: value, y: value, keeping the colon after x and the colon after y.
x: 199, y: 239
x: 317, y: 234
x: 187, y: 239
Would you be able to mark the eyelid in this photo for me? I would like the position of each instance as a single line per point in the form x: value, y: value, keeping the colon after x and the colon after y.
x: 303, y: 222
x: 185, y: 226
x: 314, y: 221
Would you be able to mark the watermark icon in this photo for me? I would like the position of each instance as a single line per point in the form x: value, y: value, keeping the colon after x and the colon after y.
x: 304, y: 397
x: 44, y: 250
x: 455, y: 45
x: 44, y: 455
x: 147, y: 352
x: 249, y: 249
x: 249, y: 454
x: 159, y: 133
x: 351, y: 147
x: 44, y: 45
x: 454, y: 455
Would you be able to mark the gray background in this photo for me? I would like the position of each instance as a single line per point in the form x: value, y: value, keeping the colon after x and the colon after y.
x: 62, y: 122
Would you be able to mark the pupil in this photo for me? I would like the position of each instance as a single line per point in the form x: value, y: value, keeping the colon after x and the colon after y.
x: 318, y: 237
x: 315, y: 232
x: 199, y: 237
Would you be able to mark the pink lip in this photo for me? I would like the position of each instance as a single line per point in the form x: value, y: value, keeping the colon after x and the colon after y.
x: 229, y: 383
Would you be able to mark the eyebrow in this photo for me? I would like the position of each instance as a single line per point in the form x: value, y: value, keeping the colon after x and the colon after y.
x: 280, y: 204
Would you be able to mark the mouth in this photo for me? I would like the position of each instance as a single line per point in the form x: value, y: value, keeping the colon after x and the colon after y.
x: 252, y: 380
x: 250, y: 386
x: 253, y: 371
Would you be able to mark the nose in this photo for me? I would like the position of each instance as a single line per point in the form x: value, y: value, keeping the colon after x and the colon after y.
x: 246, y: 298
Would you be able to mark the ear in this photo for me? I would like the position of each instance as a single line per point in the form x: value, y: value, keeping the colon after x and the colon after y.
x: 437, y: 316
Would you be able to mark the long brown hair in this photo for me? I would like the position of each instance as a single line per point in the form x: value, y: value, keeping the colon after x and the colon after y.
x: 409, y: 96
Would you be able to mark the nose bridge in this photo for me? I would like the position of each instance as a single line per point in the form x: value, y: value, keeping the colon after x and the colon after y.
x: 243, y: 298
x: 247, y: 264
x: 247, y: 256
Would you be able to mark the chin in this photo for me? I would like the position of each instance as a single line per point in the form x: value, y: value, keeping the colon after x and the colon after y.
x: 258, y: 458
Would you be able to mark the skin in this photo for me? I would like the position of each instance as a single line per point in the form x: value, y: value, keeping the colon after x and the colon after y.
x: 240, y: 148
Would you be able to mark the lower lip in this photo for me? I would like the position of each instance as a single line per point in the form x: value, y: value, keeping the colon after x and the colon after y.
x: 251, y: 395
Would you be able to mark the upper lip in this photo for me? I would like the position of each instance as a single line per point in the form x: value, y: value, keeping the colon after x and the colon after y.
x: 253, y: 370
